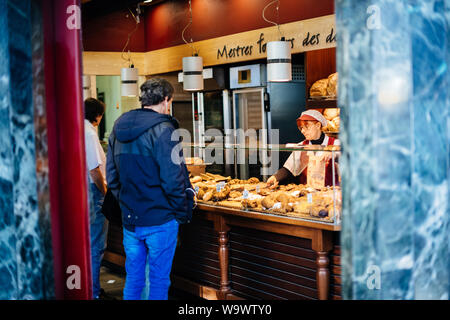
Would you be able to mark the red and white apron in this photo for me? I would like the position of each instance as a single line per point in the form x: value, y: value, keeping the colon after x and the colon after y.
x: 297, y: 162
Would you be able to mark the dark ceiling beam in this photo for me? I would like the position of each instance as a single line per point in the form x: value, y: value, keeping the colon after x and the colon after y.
x: 96, y: 8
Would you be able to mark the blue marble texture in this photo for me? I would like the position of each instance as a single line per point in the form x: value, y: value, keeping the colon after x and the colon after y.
x: 42, y: 169
x: 25, y: 256
x: 392, y: 59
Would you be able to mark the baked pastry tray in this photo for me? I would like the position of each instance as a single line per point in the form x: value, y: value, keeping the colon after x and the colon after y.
x: 294, y: 215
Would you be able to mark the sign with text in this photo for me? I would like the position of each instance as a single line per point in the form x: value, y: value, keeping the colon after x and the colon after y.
x: 306, y: 35
x: 312, y: 34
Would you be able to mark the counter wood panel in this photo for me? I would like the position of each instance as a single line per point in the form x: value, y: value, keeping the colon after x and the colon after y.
x: 233, y: 254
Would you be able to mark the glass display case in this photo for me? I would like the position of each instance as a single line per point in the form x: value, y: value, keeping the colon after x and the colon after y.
x: 235, y: 176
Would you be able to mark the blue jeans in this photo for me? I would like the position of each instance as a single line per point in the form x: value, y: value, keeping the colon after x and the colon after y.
x: 158, y: 244
x: 99, y: 231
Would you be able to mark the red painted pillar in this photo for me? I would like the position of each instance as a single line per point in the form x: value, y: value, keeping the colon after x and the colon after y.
x: 67, y: 165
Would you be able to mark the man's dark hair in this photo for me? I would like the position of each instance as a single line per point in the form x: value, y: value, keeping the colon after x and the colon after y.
x: 154, y: 91
x: 93, y: 108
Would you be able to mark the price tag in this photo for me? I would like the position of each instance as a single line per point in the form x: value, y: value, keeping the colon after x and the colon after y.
x: 245, y: 194
x: 257, y: 189
x: 218, y: 187
x: 309, y: 197
x: 196, y: 189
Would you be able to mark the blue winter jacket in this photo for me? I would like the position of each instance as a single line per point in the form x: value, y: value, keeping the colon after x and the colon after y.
x: 150, y: 186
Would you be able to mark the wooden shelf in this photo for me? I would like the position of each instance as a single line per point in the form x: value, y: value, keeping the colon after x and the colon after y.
x: 321, y: 104
x: 332, y: 134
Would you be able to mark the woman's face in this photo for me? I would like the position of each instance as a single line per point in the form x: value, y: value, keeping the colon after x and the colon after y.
x: 97, y: 121
x: 311, y: 130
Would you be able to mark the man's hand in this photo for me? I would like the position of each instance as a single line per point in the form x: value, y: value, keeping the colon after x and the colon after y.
x: 98, y: 179
x: 272, y: 182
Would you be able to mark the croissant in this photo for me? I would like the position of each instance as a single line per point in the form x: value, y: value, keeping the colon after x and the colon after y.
x: 208, y: 195
x: 267, y: 202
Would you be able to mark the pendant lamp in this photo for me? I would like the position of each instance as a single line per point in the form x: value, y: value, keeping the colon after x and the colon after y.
x: 193, y: 73
x: 86, y: 87
x: 279, y: 61
x: 129, y: 76
x: 193, y: 65
x: 129, y: 82
x: 278, y: 53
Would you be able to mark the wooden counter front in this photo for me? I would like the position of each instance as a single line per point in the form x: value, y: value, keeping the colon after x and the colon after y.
x: 233, y: 254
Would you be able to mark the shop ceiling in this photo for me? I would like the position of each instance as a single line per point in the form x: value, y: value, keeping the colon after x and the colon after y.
x: 95, y: 8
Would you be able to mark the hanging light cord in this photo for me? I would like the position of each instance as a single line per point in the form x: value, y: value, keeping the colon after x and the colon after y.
x: 188, y: 25
x: 136, y: 19
x: 274, y: 23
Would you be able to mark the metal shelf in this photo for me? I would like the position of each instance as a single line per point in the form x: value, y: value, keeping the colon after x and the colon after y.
x: 321, y: 104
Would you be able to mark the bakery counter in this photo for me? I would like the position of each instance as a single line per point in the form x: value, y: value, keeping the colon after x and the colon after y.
x: 227, y: 253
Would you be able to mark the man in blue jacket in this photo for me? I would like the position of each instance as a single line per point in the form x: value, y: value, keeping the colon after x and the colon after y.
x: 145, y: 175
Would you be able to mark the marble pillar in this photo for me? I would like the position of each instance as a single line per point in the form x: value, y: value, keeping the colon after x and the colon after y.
x: 25, y: 242
x: 393, y: 64
x: 42, y: 168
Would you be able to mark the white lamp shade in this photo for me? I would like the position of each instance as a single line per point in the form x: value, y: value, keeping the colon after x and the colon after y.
x: 129, y: 82
x: 86, y: 87
x: 279, y: 61
x: 193, y: 73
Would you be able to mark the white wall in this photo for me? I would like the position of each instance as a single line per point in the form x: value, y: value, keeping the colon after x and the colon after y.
x: 115, y: 103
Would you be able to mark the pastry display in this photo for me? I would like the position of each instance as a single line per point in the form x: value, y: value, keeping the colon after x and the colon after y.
x: 247, y: 203
x: 319, y: 88
x: 253, y: 180
x: 200, y: 193
x: 194, y: 161
x: 196, y: 179
x: 337, y: 122
x: 331, y: 113
x: 325, y: 87
x: 195, y: 166
x: 213, y: 177
x: 333, y: 120
x: 332, y: 148
x: 234, y: 194
x: 332, y: 85
x: 302, y: 207
x: 294, y: 200
x: 230, y: 204
x: 221, y: 195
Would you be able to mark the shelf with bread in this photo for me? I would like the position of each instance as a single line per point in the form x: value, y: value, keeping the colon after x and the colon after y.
x: 270, y: 147
x: 292, y: 200
x: 333, y: 121
x: 323, y: 93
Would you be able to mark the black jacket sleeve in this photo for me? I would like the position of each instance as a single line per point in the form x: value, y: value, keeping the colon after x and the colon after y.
x: 112, y: 175
x: 283, y: 175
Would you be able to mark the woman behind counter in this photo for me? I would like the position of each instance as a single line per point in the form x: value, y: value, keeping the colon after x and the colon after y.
x: 294, y: 170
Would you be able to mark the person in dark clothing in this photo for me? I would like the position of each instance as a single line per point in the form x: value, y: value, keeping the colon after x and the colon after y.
x: 145, y: 171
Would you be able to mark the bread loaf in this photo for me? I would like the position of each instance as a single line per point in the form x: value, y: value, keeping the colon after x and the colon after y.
x: 302, y: 207
x: 319, y: 88
x: 331, y: 113
x: 337, y: 122
x: 208, y: 195
x: 332, y: 85
x: 196, y: 179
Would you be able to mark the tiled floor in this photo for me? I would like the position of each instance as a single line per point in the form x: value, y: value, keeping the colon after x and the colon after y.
x: 112, y: 280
